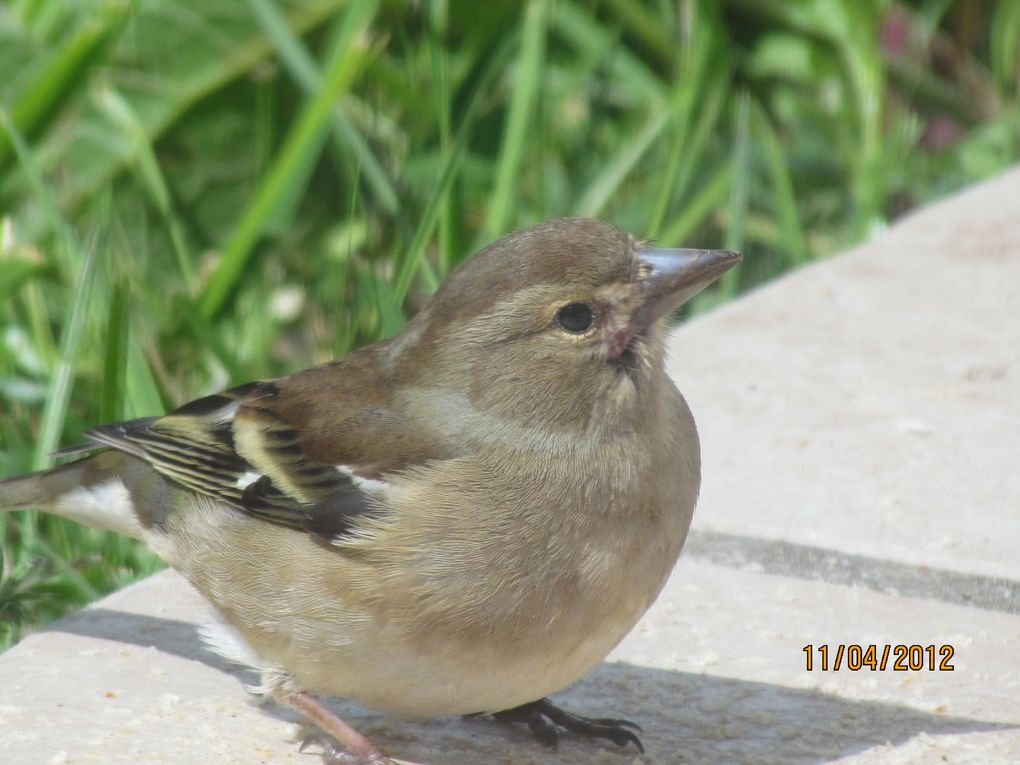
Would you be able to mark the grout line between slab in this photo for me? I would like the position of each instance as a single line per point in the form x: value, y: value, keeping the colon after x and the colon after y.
x: 884, y: 576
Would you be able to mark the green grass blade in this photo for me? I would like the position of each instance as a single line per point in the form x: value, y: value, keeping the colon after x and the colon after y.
x: 305, y: 71
x: 413, y: 259
x: 701, y: 106
x: 1005, y: 44
x: 711, y: 103
x: 644, y: 22
x: 699, y: 207
x: 305, y: 138
x: 162, y: 91
x: 619, y: 166
x: 40, y: 322
x: 111, y: 404
x: 587, y: 35
x: 518, y: 124
x: 16, y: 272
x: 151, y: 177
x: 59, y: 391
x: 739, y: 191
x: 782, y: 196
x: 439, y: 59
x: 58, y: 80
x: 43, y: 192
x: 143, y: 395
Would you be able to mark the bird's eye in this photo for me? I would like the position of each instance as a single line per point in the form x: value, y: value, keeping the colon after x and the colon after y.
x: 576, y: 317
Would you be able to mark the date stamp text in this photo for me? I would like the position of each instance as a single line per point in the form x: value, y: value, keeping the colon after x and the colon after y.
x: 879, y: 658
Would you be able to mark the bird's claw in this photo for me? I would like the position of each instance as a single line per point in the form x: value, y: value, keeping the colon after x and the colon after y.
x: 545, y: 719
x: 334, y: 754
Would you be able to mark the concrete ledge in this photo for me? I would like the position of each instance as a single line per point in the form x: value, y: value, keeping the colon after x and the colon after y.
x: 859, y: 422
x: 869, y: 403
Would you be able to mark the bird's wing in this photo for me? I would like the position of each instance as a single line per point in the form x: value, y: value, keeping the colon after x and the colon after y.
x: 260, y: 448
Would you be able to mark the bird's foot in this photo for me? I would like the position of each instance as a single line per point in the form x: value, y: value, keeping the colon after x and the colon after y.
x: 545, y: 720
x: 343, y: 745
x: 335, y: 754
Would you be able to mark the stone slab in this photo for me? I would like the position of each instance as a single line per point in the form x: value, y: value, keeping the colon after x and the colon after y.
x: 870, y: 403
x: 715, y: 674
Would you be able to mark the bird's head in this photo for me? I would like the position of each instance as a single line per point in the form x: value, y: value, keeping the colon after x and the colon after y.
x: 556, y: 323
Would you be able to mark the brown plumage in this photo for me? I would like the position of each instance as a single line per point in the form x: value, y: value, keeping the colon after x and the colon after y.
x: 461, y: 519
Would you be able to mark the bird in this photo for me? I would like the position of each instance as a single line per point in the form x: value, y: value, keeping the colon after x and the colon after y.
x: 462, y: 519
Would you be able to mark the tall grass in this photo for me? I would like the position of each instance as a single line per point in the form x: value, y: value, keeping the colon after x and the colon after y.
x: 195, y: 194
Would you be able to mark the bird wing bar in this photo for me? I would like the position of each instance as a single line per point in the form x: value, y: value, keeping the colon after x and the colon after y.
x: 234, y: 448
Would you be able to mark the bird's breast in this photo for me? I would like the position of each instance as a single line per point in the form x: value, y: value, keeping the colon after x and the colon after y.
x: 503, y: 547
x: 536, y: 584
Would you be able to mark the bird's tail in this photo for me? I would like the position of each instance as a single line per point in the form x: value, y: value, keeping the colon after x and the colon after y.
x: 22, y: 492
x: 89, y: 491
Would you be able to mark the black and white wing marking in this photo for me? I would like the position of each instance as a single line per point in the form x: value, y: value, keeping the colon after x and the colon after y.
x: 228, y: 447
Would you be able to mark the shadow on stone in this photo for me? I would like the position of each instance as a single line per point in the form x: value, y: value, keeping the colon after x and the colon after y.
x: 695, y: 718
x: 172, y: 636
x: 687, y: 718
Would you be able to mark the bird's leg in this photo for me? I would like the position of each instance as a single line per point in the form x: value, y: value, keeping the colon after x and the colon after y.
x: 545, y: 719
x: 347, y: 746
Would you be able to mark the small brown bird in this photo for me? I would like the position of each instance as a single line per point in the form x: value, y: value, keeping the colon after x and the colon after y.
x: 462, y: 519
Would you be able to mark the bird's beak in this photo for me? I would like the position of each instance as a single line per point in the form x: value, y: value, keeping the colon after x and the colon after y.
x: 669, y: 278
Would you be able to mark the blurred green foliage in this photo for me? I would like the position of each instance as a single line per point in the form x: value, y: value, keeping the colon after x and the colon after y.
x: 196, y: 194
